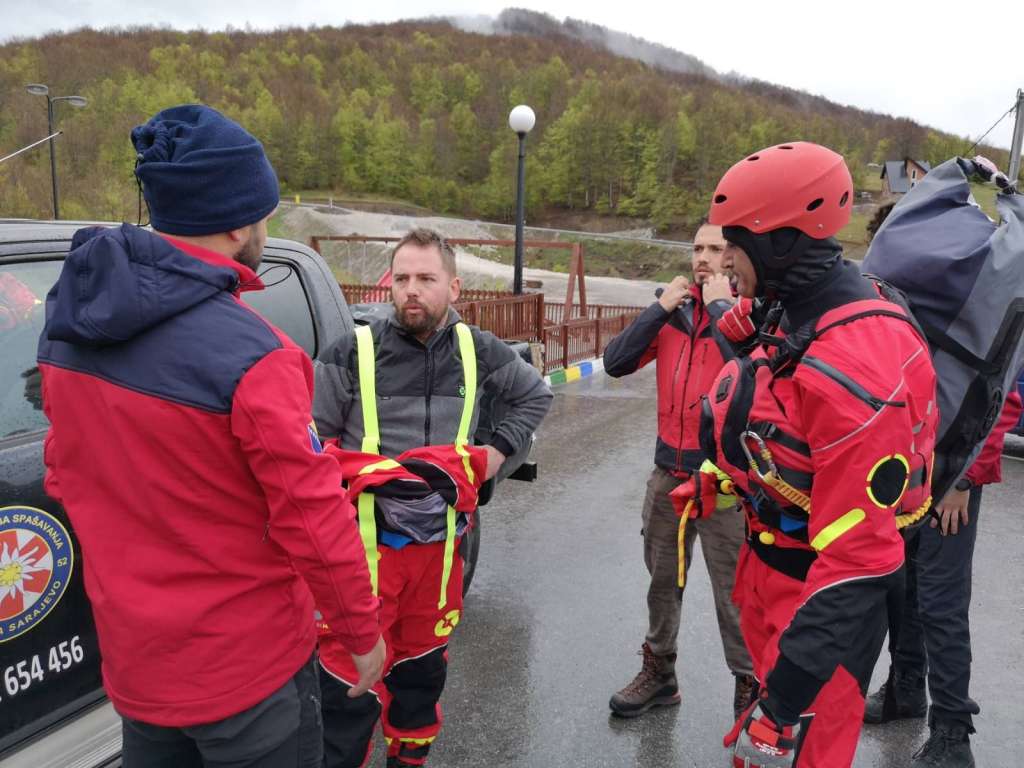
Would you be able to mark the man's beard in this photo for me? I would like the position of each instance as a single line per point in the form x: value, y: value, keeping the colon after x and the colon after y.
x: 425, y: 322
x: 251, y: 254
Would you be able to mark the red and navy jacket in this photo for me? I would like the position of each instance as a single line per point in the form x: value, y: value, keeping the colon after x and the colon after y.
x: 690, y: 351
x: 851, y: 426
x: 181, y: 446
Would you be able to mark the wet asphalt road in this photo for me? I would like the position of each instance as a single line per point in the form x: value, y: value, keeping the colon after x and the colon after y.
x: 556, y: 614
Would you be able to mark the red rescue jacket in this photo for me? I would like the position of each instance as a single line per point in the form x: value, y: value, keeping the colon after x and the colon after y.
x: 851, y: 427
x: 690, y: 351
x: 182, y: 448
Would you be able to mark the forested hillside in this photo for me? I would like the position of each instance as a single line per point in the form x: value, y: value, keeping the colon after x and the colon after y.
x: 417, y: 111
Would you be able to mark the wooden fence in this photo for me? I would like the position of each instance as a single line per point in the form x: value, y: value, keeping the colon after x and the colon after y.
x: 527, y: 317
x: 579, y: 340
x: 357, y: 293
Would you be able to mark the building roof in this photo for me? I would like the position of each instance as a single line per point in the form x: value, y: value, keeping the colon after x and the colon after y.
x: 896, y: 170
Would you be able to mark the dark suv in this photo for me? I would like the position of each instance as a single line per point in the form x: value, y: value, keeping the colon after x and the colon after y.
x: 53, y: 712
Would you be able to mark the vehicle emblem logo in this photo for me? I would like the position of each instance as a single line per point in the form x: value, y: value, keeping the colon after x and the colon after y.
x: 36, y: 561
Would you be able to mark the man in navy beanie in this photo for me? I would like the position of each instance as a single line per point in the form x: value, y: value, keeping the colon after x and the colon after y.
x: 204, y: 176
x: 181, y: 445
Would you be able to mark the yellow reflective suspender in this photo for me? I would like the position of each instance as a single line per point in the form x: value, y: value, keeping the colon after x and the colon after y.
x: 371, y: 443
x: 467, y: 351
x: 366, y: 360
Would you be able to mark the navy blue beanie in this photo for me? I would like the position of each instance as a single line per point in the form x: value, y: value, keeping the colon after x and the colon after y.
x: 202, y: 173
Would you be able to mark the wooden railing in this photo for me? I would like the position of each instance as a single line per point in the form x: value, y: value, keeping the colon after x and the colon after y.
x: 579, y: 340
x: 519, y: 318
x: 554, y: 312
x: 527, y: 317
x: 358, y: 293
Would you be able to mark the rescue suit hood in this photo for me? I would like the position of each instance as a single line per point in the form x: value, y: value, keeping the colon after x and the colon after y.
x: 806, y: 259
x: 117, y: 283
x: 841, y: 284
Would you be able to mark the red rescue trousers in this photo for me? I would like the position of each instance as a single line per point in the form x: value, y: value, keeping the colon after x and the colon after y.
x: 416, y: 631
x: 767, y: 600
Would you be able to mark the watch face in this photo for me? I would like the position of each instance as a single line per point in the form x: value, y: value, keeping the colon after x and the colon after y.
x: 963, y: 484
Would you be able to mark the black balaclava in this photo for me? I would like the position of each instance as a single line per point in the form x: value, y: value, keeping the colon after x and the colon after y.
x: 787, y: 262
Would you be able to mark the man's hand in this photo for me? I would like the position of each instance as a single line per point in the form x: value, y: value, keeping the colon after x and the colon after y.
x: 952, y: 512
x: 495, y: 459
x: 675, y: 294
x: 716, y: 288
x: 370, y: 667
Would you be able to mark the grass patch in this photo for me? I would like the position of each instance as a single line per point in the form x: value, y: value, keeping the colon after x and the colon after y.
x: 856, y: 231
x: 871, y: 180
x: 985, y: 194
x: 275, y: 227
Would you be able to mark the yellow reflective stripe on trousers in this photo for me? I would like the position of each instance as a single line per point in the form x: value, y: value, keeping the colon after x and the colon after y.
x: 371, y: 444
x: 837, y: 528
x: 467, y: 351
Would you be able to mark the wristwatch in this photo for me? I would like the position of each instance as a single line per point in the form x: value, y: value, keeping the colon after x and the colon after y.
x: 963, y: 484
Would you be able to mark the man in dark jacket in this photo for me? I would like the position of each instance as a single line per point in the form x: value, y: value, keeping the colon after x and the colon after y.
x: 929, y: 629
x: 679, y: 332
x: 181, y: 445
x: 407, y: 387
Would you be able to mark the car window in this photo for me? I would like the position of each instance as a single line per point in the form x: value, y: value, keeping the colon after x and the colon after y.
x: 23, y: 289
x: 284, y: 302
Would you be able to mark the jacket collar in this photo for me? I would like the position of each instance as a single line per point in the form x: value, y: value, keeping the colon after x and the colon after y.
x: 247, y: 279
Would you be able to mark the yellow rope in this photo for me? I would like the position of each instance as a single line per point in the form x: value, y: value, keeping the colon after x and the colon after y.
x: 902, y: 521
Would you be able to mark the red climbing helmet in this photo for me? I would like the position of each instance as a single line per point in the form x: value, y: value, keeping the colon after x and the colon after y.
x: 801, y: 185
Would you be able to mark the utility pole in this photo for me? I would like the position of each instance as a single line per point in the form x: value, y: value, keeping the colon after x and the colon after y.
x: 1018, y: 137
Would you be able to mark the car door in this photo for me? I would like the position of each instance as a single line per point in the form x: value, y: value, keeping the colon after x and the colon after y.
x: 49, y: 658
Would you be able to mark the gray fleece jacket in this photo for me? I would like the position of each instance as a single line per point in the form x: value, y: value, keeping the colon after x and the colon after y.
x: 421, y: 389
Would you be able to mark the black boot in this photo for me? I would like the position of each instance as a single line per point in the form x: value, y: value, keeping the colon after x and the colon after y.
x: 948, y: 746
x: 900, y: 697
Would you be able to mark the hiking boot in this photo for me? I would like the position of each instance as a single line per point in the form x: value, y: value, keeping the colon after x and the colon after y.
x: 901, y: 697
x: 654, y: 686
x: 948, y: 746
x: 744, y: 694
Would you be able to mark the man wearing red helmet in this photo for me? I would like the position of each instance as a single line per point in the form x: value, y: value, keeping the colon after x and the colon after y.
x: 826, y: 433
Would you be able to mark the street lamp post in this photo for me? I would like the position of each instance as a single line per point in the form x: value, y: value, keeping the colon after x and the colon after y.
x: 521, y: 120
x: 38, y: 89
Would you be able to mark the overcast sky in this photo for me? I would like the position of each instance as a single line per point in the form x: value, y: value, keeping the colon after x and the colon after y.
x: 926, y: 60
